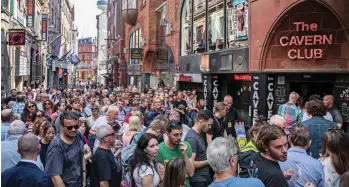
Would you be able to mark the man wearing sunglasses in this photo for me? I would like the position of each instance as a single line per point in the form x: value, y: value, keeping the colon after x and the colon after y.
x: 104, y: 166
x: 64, y: 158
x: 222, y: 155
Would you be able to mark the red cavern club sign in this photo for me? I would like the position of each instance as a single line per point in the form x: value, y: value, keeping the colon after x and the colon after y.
x: 305, y: 43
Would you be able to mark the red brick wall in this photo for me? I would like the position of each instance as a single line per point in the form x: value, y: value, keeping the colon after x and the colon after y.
x: 266, y: 53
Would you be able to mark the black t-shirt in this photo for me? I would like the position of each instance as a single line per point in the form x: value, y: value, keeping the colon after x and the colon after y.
x: 267, y: 171
x: 229, y: 122
x: 181, y: 105
x: 43, y: 152
x: 104, y: 168
x: 217, y: 128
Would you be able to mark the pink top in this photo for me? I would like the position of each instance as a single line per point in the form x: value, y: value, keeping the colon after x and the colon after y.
x: 127, y: 139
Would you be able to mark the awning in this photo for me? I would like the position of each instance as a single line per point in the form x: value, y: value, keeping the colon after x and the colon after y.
x: 111, y: 59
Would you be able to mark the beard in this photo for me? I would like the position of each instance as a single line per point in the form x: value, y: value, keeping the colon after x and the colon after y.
x: 278, y: 156
x: 174, y: 142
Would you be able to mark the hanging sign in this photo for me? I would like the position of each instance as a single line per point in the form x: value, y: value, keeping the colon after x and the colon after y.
x: 17, y: 37
x: 30, y: 13
x: 44, y: 27
x: 305, y: 40
x: 136, y: 53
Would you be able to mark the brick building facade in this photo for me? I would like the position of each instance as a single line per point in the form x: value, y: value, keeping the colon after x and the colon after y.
x: 87, y: 54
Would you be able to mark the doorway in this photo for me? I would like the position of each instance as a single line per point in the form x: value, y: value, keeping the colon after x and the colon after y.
x: 307, y: 89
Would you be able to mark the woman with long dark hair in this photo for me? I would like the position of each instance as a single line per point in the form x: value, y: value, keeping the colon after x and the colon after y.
x: 175, y: 173
x: 48, y: 133
x: 335, y: 156
x: 143, y: 164
x: 29, y: 114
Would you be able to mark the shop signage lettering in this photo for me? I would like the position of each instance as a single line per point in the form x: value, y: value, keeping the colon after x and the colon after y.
x: 305, y: 40
x: 255, y: 98
x: 205, y: 92
x: 345, y: 94
x: 17, y: 37
x: 215, y: 93
x: 270, y: 98
x: 30, y: 13
x: 44, y: 27
x: 185, y: 78
x: 242, y: 77
x: 136, y: 53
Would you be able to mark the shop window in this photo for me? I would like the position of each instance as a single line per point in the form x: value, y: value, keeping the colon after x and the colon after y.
x: 237, y: 12
x: 199, y: 26
x: 186, y: 45
x: 216, y: 26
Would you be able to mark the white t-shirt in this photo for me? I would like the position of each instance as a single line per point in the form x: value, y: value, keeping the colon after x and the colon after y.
x: 143, y: 171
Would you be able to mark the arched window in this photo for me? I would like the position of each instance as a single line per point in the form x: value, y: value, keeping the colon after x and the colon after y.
x: 136, y: 41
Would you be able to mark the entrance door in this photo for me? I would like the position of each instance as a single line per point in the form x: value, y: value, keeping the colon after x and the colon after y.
x: 241, y: 92
x: 306, y: 89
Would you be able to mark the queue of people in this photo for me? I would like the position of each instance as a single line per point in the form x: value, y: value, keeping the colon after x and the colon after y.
x: 162, y: 137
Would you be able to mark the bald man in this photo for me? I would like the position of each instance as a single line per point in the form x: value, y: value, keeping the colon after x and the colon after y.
x: 336, y: 114
x: 27, y: 172
x: 6, y: 118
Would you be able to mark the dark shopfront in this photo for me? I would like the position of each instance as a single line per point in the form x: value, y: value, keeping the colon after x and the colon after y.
x: 269, y: 91
x: 226, y: 73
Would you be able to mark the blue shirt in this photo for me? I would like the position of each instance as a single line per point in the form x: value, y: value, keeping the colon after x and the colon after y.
x: 4, y: 131
x: 240, y: 182
x: 18, y: 108
x: 309, y: 169
x: 317, y: 127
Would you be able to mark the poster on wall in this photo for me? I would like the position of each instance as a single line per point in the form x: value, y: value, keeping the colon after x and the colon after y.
x: 240, y: 19
x: 342, y: 101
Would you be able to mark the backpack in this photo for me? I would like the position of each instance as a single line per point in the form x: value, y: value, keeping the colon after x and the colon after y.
x: 126, y: 158
x: 244, y: 159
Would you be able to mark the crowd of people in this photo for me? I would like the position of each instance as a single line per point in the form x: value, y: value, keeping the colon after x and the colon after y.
x: 161, y: 137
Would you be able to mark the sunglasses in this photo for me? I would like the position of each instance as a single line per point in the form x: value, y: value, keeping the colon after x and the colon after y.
x: 31, y: 106
x: 111, y: 134
x: 47, y: 103
x: 174, y: 124
x: 71, y: 127
x: 94, y: 109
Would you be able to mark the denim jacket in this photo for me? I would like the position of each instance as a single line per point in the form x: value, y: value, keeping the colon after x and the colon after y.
x: 317, y: 127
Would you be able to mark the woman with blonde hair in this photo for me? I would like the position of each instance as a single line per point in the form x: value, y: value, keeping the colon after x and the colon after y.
x: 134, y: 127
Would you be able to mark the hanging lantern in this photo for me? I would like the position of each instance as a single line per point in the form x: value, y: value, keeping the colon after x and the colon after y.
x: 130, y: 11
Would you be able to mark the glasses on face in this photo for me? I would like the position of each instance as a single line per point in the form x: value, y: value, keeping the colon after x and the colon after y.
x: 47, y: 103
x: 31, y: 106
x: 111, y: 134
x: 71, y: 127
x: 94, y: 109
